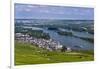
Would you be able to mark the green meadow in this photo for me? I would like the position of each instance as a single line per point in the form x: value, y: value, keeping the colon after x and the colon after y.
x: 26, y: 53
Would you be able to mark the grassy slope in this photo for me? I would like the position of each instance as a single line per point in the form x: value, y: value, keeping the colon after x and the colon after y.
x: 28, y: 54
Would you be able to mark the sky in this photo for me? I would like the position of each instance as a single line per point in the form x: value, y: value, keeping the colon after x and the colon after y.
x: 33, y: 11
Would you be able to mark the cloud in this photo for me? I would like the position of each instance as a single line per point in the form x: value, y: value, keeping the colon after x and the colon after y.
x: 27, y: 10
x: 32, y: 6
x: 44, y: 11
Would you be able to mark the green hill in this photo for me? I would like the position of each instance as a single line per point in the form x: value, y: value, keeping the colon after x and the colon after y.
x: 26, y: 53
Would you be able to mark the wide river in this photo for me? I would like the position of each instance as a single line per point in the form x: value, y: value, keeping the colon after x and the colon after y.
x: 71, y: 41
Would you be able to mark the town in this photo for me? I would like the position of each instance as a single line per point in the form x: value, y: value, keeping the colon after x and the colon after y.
x: 49, y: 44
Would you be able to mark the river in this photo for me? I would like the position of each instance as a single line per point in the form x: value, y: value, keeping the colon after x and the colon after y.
x: 71, y: 41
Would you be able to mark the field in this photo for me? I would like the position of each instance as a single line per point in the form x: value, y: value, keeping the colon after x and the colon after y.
x: 26, y: 53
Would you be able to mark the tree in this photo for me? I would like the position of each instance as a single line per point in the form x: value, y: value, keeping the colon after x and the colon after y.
x: 63, y: 49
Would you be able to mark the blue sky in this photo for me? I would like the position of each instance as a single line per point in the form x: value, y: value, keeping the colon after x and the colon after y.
x: 29, y: 11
